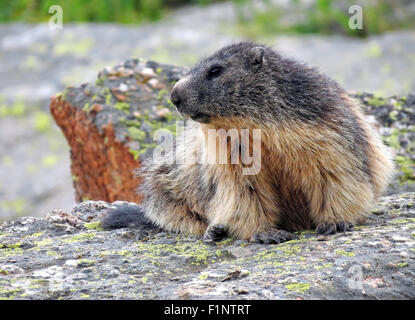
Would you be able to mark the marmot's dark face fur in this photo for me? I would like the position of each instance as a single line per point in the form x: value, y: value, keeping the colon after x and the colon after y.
x: 251, y: 81
x: 233, y: 76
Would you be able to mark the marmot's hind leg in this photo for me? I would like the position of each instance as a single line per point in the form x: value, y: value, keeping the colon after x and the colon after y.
x: 167, y: 196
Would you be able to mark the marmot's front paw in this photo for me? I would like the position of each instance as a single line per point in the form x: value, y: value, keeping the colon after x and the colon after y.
x: 273, y: 236
x: 215, y: 233
x: 327, y: 228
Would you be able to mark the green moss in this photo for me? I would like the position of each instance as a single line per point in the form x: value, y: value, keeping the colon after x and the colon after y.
x: 402, y: 264
x: 197, y: 252
x: 136, y: 134
x: 395, y: 212
x: 108, y: 98
x: 96, y: 225
x: 100, y: 81
x: 264, y: 255
x: 31, y: 62
x: 161, y: 94
x: 290, y: 250
x: 376, y: 101
x: 17, y: 205
x: 86, y: 107
x: 64, y: 93
x: 203, y: 276
x: 324, y: 266
x: 10, y: 250
x: 43, y: 121
x: 135, y: 154
x: 403, y: 221
x: 345, y: 253
x: 393, y: 139
x: 18, y: 109
x: 36, y: 234
x: 225, y: 242
x: 53, y: 254
x: 298, y: 287
x: 9, y: 293
x: 7, y: 161
x: 42, y: 243
x: 407, y: 167
x: 358, y: 228
x: 374, y: 50
x: 14, y: 245
x: 85, y: 262
x: 393, y: 115
x: 80, y: 47
x: 124, y: 253
x: 80, y: 237
x: 123, y: 106
x: 49, y: 160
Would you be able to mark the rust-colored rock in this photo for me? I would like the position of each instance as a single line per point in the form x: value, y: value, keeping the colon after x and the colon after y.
x: 102, y: 167
x: 110, y: 132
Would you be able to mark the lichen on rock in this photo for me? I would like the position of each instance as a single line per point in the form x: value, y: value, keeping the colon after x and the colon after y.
x: 109, y: 125
x: 67, y: 256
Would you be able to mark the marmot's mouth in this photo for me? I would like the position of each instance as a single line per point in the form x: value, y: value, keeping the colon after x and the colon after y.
x: 200, y: 117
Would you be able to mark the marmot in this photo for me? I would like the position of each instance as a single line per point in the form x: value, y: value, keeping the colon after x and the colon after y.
x: 322, y: 164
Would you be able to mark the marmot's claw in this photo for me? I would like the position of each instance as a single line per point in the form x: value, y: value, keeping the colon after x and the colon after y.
x: 215, y: 233
x: 273, y: 236
x: 343, y: 226
x: 327, y: 228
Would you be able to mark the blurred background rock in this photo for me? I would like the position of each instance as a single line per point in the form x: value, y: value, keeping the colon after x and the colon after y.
x: 37, y: 62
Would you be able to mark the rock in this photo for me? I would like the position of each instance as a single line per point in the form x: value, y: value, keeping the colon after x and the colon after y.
x: 395, y: 118
x: 109, y: 127
x: 68, y: 256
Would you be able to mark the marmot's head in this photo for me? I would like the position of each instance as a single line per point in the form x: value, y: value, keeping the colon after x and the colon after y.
x: 230, y: 83
x: 250, y: 81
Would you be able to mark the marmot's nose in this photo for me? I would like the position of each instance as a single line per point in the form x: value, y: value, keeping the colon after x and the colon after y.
x: 175, y: 97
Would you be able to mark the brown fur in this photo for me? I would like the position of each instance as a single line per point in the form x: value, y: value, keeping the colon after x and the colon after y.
x: 307, y: 177
x: 321, y: 162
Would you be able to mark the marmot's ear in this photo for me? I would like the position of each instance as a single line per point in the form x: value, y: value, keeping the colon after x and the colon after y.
x: 257, y: 56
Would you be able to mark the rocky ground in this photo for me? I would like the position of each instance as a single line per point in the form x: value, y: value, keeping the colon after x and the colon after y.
x: 68, y: 256
x: 36, y: 63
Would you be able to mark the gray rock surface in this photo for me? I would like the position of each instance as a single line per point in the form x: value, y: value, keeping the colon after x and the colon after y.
x: 67, y: 256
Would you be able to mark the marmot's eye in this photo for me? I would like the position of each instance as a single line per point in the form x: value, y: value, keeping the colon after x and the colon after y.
x: 215, y: 71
